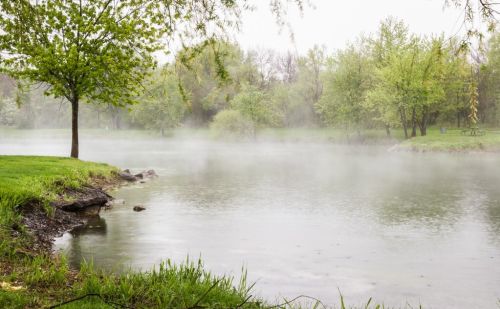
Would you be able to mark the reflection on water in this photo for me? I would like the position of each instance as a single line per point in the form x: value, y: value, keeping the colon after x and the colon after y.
x: 95, y: 226
x: 305, y: 218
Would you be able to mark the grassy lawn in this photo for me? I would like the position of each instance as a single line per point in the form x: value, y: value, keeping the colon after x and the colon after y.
x: 453, y: 140
x: 25, y: 179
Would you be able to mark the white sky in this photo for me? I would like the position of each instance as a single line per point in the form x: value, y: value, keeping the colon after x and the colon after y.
x: 332, y: 23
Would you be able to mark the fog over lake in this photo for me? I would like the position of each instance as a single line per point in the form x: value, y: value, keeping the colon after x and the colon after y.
x: 301, y: 218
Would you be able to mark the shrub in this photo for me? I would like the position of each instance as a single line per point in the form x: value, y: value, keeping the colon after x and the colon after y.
x: 231, y: 123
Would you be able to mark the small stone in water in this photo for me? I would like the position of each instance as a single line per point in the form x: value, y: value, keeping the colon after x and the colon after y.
x: 139, y: 208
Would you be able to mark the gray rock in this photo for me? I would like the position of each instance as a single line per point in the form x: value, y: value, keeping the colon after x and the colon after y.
x: 138, y: 208
x: 127, y: 176
x: 146, y: 174
x: 112, y: 203
x: 84, y: 198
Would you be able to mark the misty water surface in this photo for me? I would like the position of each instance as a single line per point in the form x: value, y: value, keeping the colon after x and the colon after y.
x: 302, y: 218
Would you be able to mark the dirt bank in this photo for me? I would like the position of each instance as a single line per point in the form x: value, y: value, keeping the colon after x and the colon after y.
x: 72, y: 208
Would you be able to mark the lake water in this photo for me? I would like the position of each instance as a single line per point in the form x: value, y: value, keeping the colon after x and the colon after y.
x: 302, y: 218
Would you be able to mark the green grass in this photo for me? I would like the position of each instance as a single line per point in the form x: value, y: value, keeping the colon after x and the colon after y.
x: 168, y: 286
x: 453, y: 141
x: 25, y: 179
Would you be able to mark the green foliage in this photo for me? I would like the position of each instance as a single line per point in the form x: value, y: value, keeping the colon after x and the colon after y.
x: 232, y: 124
x: 394, y: 79
x: 99, y: 50
x: 488, y: 78
x: 163, y: 106
x: 347, y: 80
x: 199, y: 72
x: 309, y: 87
x: 257, y: 106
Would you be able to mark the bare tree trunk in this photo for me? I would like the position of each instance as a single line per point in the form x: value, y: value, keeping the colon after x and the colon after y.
x: 74, y: 127
x: 402, y: 114
x: 458, y: 120
x: 388, y: 130
x: 423, y: 124
x: 413, y: 123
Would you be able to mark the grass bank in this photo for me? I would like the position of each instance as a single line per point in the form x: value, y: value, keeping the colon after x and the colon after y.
x: 454, y: 140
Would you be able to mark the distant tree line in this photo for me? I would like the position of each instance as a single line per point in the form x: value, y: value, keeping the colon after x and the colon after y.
x: 391, y: 79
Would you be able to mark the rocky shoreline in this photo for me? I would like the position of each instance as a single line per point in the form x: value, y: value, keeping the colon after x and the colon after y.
x: 73, y: 208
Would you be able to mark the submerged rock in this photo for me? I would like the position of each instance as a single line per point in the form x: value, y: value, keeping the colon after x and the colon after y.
x: 139, y: 208
x: 111, y: 203
x: 146, y: 174
x: 127, y: 176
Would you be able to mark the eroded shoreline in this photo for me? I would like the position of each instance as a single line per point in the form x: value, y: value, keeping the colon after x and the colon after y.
x: 73, y: 208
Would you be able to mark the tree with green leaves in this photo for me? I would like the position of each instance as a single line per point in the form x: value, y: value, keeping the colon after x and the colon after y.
x: 488, y: 77
x: 257, y: 106
x: 162, y: 106
x: 309, y: 84
x: 101, y: 50
x: 409, y: 77
x: 96, y: 50
x: 346, y: 83
x: 210, y: 77
x: 387, y: 49
x: 456, y: 85
x: 430, y: 92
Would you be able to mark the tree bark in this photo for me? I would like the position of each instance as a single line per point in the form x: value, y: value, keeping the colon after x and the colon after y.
x: 413, y: 123
x: 402, y: 114
x: 388, y: 130
x: 423, y: 123
x: 458, y: 120
x: 74, y: 127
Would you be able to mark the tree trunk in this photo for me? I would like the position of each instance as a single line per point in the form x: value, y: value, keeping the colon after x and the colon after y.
x: 423, y: 123
x: 458, y: 120
x: 74, y: 128
x: 413, y: 123
x: 402, y: 114
x: 388, y: 130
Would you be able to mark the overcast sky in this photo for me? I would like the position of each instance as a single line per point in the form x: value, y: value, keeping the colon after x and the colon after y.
x: 334, y: 22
